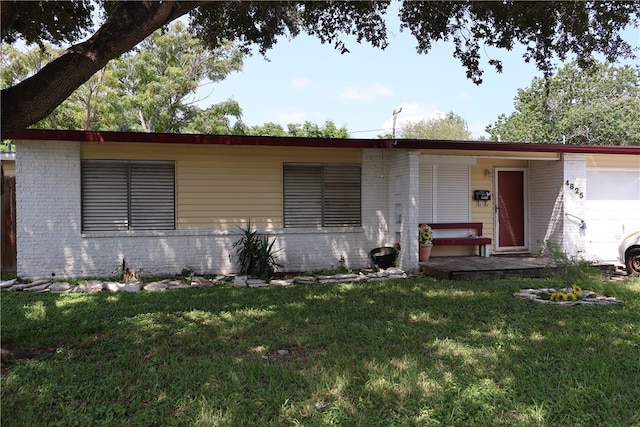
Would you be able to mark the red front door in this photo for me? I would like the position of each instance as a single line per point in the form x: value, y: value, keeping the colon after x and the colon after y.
x: 511, y: 210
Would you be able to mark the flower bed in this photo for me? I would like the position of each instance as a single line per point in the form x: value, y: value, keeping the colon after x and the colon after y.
x: 565, y: 296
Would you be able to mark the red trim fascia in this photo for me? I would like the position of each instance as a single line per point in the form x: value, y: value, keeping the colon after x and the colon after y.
x: 416, y: 144
x: 173, y: 138
x: 273, y: 141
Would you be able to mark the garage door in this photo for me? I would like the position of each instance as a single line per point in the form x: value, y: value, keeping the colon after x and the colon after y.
x: 613, y: 210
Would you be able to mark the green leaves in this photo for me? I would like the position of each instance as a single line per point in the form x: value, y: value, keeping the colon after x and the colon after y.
x: 451, y: 127
x: 307, y: 129
x: 150, y: 89
x: 256, y: 255
x: 161, y: 77
x: 597, y: 105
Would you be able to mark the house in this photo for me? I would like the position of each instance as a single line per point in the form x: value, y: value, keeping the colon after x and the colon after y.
x: 89, y: 201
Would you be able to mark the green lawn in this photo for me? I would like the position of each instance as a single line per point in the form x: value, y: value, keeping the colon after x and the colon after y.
x: 407, y: 353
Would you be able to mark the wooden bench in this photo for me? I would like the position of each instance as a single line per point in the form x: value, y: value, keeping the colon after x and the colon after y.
x: 477, y: 239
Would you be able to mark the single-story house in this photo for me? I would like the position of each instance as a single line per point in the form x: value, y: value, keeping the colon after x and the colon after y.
x: 86, y: 201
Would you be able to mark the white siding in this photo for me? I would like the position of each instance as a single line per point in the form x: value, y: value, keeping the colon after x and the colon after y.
x: 445, y: 194
x: 452, y: 193
x: 546, y: 195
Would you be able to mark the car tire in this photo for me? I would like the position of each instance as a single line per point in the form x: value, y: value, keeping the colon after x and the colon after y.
x: 633, y: 261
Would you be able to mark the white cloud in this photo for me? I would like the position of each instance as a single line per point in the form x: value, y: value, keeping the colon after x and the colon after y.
x: 368, y: 93
x: 300, y: 83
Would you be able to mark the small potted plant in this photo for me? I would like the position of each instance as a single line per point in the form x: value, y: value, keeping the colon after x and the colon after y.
x: 425, y: 237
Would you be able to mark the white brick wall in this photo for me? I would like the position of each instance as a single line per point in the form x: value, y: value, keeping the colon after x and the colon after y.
x: 404, y: 178
x: 50, y: 239
x: 554, y: 206
x: 575, y: 173
x: 48, y: 208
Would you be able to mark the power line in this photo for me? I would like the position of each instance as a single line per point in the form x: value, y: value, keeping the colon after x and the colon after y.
x: 370, y: 130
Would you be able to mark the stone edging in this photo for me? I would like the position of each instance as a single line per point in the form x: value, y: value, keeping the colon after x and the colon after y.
x: 89, y: 286
x: 542, y: 295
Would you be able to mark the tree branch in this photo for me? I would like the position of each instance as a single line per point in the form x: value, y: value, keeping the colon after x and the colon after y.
x: 36, y: 97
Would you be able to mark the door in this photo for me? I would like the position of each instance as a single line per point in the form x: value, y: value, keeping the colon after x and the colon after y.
x: 8, y: 225
x: 511, y: 231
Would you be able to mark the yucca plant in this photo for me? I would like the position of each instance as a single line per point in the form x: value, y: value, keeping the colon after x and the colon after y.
x: 255, y: 253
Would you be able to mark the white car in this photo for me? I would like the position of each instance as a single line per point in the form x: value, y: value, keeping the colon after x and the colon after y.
x: 629, y: 252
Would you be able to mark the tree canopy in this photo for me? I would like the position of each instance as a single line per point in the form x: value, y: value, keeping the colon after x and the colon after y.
x: 307, y: 129
x: 598, y: 106
x: 451, y: 127
x: 167, y: 68
x: 549, y: 30
x: 151, y: 88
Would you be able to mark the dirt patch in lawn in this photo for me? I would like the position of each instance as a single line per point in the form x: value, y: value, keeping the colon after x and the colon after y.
x: 10, y: 356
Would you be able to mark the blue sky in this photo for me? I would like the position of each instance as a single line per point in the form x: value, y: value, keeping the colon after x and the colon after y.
x: 306, y: 80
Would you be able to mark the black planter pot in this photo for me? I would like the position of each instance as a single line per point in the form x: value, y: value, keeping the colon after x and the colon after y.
x: 384, y: 257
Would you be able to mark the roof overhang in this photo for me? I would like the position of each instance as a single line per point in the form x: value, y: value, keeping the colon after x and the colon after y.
x: 479, y: 148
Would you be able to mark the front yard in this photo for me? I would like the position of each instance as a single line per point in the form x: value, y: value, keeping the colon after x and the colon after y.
x: 399, y: 352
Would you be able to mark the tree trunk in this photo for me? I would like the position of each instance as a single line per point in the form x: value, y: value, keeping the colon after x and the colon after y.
x: 36, y: 97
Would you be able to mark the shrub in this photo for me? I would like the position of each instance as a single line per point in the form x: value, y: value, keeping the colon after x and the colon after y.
x: 571, y: 271
x: 255, y: 253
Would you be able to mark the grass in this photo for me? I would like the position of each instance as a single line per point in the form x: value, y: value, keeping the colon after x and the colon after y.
x: 415, y: 352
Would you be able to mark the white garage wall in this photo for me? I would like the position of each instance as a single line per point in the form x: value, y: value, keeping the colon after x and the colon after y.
x: 613, y: 209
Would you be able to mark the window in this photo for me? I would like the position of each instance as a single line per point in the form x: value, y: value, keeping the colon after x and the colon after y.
x: 128, y: 195
x: 444, y: 194
x: 321, y: 195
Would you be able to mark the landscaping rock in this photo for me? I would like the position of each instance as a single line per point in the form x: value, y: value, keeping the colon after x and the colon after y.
x: 131, y: 287
x: 197, y: 280
x: 91, y: 286
x: 240, y: 281
x: 46, y: 285
x: 341, y: 278
x: 113, y: 286
x: 19, y: 286
x: 60, y: 287
x: 171, y: 283
x: 304, y: 280
x: 179, y: 286
x: 37, y: 288
x: 156, y: 286
x: 377, y: 279
x: 122, y: 287
x: 8, y: 283
x: 256, y: 283
x: 279, y: 282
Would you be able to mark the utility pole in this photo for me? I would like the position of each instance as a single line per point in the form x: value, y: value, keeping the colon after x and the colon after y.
x: 393, y: 129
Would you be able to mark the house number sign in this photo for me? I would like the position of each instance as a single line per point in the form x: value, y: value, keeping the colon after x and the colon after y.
x: 572, y: 187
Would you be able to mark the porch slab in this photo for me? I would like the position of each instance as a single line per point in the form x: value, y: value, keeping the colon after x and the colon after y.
x: 475, y: 267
